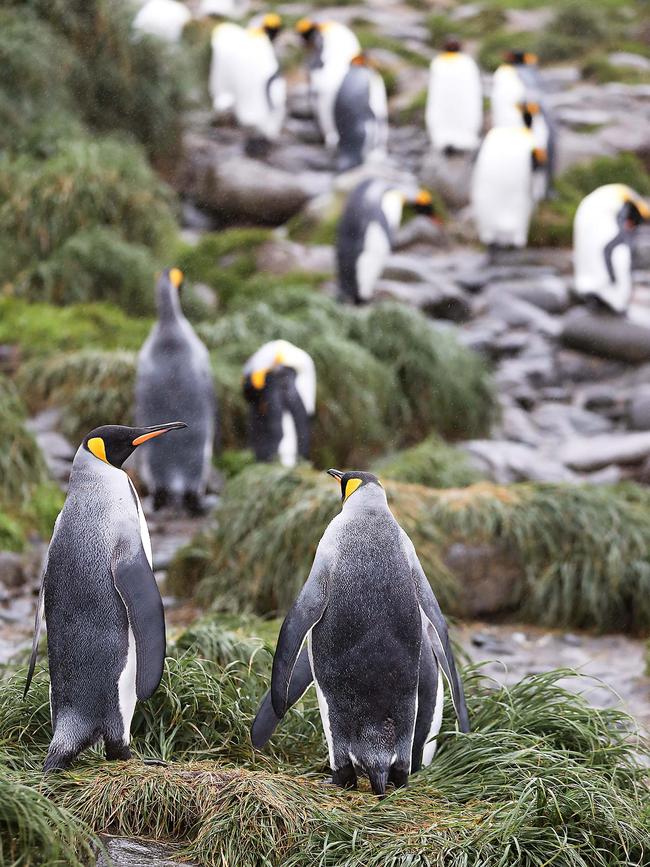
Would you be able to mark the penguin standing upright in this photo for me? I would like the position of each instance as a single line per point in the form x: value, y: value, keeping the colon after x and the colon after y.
x: 174, y: 374
x: 360, y: 115
x: 454, y: 112
x: 245, y: 75
x: 603, y: 234
x: 165, y: 19
x: 502, y: 183
x: 333, y: 45
x: 517, y: 81
x: 376, y: 645
x: 366, y: 234
x: 104, y: 614
x: 280, y: 387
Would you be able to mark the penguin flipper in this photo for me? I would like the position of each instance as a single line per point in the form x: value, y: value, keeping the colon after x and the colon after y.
x: 266, y: 720
x: 38, y: 625
x: 136, y: 585
x: 305, y: 612
x: 436, y: 628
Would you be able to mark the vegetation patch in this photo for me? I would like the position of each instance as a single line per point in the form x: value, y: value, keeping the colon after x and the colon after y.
x: 432, y: 463
x: 552, y: 224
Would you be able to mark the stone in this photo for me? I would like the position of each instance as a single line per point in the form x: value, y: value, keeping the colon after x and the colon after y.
x: 516, y: 425
x: 12, y: 570
x: 440, y: 300
x: 282, y: 256
x: 561, y: 421
x: 449, y: 176
x: 420, y: 230
x: 240, y: 189
x: 639, y: 409
x: 125, y: 852
x: 505, y: 462
x: 547, y: 291
x: 517, y: 313
x: 606, y: 335
x: 630, y: 60
x: 487, y: 575
x: 593, y: 453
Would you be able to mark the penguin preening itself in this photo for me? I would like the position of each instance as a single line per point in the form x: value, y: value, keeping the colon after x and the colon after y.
x: 245, y: 75
x: 360, y: 115
x: 366, y: 233
x: 454, y: 111
x: 332, y: 46
x: 174, y: 375
x: 376, y: 644
x: 165, y: 19
x: 603, y: 234
x: 502, y: 182
x: 280, y: 387
x: 104, y: 614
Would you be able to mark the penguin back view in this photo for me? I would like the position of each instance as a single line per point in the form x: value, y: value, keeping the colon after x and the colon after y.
x: 105, y: 621
x: 360, y: 115
x: 375, y: 640
x: 454, y: 111
x: 174, y: 373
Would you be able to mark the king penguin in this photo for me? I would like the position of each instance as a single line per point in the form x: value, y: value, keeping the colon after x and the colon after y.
x: 332, y: 46
x: 502, y: 183
x: 165, y: 19
x: 376, y: 644
x: 603, y: 234
x: 280, y: 387
x: 245, y: 75
x: 104, y: 614
x: 360, y: 115
x: 174, y: 374
x: 366, y: 233
x: 454, y: 111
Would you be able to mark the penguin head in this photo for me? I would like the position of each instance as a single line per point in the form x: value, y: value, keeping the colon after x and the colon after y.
x: 307, y: 29
x: 635, y: 211
x: 272, y: 25
x: 114, y: 443
x: 528, y: 111
x: 352, y: 481
x: 452, y: 45
x: 520, y: 58
x: 422, y: 203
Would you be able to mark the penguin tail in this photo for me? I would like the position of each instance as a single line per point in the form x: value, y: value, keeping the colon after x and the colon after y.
x: 378, y: 776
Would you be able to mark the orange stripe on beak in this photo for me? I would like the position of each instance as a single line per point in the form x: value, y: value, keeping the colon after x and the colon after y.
x: 148, y: 436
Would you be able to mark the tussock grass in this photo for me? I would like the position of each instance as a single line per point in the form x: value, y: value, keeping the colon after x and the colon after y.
x: 543, y: 778
x: 582, y: 551
x: 95, y: 387
x: 432, y: 463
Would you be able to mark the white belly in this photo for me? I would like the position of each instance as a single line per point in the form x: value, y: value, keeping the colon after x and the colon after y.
x: 288, y: 448
x: 322, y: 707
x: 431, y: 743
x: 126, y: 688
x: 370, y: 264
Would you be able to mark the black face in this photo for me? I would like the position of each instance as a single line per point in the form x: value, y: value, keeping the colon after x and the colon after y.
x: 425, y: 208
x: 309, y: 35
x: 452, y: 44
x: 631, y: 216
x: 272, y: 31
x: 114, y: 443
x: 352, y: 481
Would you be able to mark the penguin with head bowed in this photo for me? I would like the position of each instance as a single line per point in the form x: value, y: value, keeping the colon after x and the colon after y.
x: 245, y: 76
x: 360, y: 115
x: 454, y: 111
x: 104, y: 614
x: 174, y: 375
x: 377, y: 646
x: 502, y: 182
x: 280, y: 387
x: 604, y: 229
x: 332, y: 46
x: 165, y: 19
x: 366, y: 234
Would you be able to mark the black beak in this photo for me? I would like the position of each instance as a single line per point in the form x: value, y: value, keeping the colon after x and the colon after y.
x: 336, y: 474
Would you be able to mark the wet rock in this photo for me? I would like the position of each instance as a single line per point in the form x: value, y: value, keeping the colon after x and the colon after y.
x: 12, y: 570
x: 420, y: 230
x: 629, y: 60
x: 518, y: 313
x: 560, y: 421
x: 505, y: 462
x: 639, y: 409
x: 239, y: 189
x: 547, y: 291
x: 125, y: 852
x: 516, y: 425
x: 283, y: 256
x: 577, y: 367
x: 488, y: 578
x: 605, y: 335
x: 492, y: 644
x: 449, y: 176
x: 440, y: 300
x: 593, y: 453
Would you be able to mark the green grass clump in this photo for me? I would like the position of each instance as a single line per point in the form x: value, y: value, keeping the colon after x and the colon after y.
x: 432, y: 463
x: 49, y: 250
x: 552, y: 224
x: 28, y: 499
x: 94, y: 386
x: 542, y: 775
x: 41, y: 330
x: 580, y: 553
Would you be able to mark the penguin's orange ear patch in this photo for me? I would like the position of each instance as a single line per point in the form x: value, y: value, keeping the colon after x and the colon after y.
x: 351, y: 485
x: 97, y: 446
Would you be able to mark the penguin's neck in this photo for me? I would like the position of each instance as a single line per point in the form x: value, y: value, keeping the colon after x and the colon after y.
x: 168, y: 304
x: 369, y: 499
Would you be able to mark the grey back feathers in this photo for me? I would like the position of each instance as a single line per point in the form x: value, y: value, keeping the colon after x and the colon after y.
x: 363, y: 207
x: 174, y: 379
x: 354, y: 117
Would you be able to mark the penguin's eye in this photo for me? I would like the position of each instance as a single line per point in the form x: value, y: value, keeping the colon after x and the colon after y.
x: 97, y: 446
x: 350, y: 487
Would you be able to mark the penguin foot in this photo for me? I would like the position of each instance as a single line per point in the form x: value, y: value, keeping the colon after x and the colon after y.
x: 194, y: 505
x: 345, y: 777
x: 56, y: 762
x: 399, y: 777
x: 116, y: 751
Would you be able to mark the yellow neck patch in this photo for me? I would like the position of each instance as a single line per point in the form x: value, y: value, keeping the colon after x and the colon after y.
x: 97, y: 446
x: 351, y: 486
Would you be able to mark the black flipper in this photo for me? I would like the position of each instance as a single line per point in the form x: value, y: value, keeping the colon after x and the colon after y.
x: 266, y: 720
x: 621, y: 238
x: 304, y: 613
x: 38, y: 624
x: 427, y: 692
x: 135, y: 583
